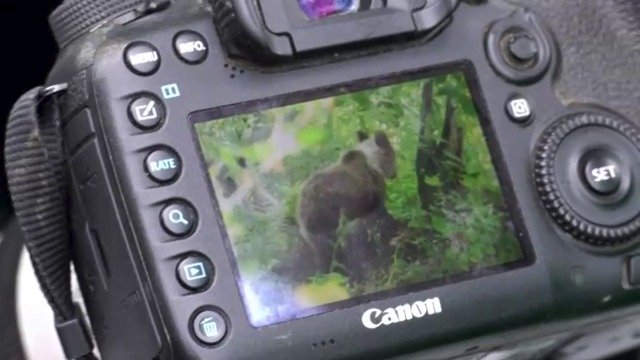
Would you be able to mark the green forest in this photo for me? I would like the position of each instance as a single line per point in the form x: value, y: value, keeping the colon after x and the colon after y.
x: 443, y: 214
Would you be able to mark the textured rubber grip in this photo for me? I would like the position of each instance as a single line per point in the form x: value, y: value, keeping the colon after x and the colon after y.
x: 75, y: 17
x: 599, y: 42
x: 36, y: 176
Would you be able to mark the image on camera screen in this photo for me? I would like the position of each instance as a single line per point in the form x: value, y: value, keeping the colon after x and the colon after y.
x: 360, y: 196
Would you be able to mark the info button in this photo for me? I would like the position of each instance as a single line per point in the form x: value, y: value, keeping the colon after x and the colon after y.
x: 163, y: 165
x: 191, y: 47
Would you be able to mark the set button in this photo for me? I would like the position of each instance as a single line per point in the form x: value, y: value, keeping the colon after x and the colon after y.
x: 604, y: 172
x: 195, y: 272
x: 163, y: 165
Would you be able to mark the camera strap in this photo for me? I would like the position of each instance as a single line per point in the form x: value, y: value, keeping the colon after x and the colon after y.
x: 38, y: 183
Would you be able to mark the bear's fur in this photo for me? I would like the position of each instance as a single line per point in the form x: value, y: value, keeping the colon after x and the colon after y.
x: 349, y: 189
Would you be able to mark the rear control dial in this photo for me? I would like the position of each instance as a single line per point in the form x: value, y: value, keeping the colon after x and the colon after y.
x: 587, y: 171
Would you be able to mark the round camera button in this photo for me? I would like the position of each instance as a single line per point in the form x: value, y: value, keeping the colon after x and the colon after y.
x: 178, y: 218
x: 209, y: 327
x: 195, y: 272
x: 603, y: 172
x: 142, y: 58
x: 190, y: 47
x: 523, y: 47
x: 518, y: 109
x: 146, y: 112
x: 585, y: 175
x: 163, y: 165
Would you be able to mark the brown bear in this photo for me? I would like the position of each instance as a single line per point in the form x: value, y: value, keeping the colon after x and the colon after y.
x: 352, y: 188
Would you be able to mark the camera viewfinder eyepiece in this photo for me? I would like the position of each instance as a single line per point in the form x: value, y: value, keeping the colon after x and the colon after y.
x: 268, y: 29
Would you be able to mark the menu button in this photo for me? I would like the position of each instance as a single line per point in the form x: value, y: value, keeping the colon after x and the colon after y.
x: 142, y: 58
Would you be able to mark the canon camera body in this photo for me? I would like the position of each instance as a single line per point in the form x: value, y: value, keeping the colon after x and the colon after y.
x: 271, y: 179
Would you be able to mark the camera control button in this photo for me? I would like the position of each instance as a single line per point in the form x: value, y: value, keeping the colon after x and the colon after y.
x: 519, y: 48
x: 146, y: 112
x: 523, y: 47
x: 142, y: 58
x: 178, y: 218
x: 190, y: 47
x: 603, y: 172
x: 163, y: 165
x: 587, y: 173
x: 519, y: 109
x: 195, y: 272
x: 209, y: 327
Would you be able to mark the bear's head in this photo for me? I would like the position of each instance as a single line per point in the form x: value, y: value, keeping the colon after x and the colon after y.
x: 379, y: 152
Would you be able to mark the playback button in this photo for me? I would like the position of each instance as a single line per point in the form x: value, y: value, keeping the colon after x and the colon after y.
x: 146, y: 112
x: 163, y: 165
x: 195, y: 272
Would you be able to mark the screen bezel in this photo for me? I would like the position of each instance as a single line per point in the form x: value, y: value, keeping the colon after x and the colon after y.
x: 498, y: 162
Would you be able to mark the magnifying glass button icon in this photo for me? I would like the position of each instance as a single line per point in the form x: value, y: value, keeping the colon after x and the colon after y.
x: 178, y: 218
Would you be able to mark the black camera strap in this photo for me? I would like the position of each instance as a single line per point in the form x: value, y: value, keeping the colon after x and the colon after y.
x: 37, y: 174
x: 38, y: 184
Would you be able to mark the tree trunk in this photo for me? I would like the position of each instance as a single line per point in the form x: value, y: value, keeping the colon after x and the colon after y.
x: 425, y: 161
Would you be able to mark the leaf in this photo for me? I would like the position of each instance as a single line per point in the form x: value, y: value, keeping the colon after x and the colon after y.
x: 311, y: 136
x: 440, y: 224
x: 432, y: 180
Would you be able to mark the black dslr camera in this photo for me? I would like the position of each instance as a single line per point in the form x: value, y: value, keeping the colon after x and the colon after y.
x: 336, y: 179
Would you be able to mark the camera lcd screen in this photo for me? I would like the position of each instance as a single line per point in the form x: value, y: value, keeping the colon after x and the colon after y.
x: 357, y: 195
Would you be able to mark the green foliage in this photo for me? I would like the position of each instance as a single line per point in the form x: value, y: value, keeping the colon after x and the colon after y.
x: 464, y: 229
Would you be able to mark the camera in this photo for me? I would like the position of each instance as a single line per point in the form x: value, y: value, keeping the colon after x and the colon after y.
x: 346, y: 179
